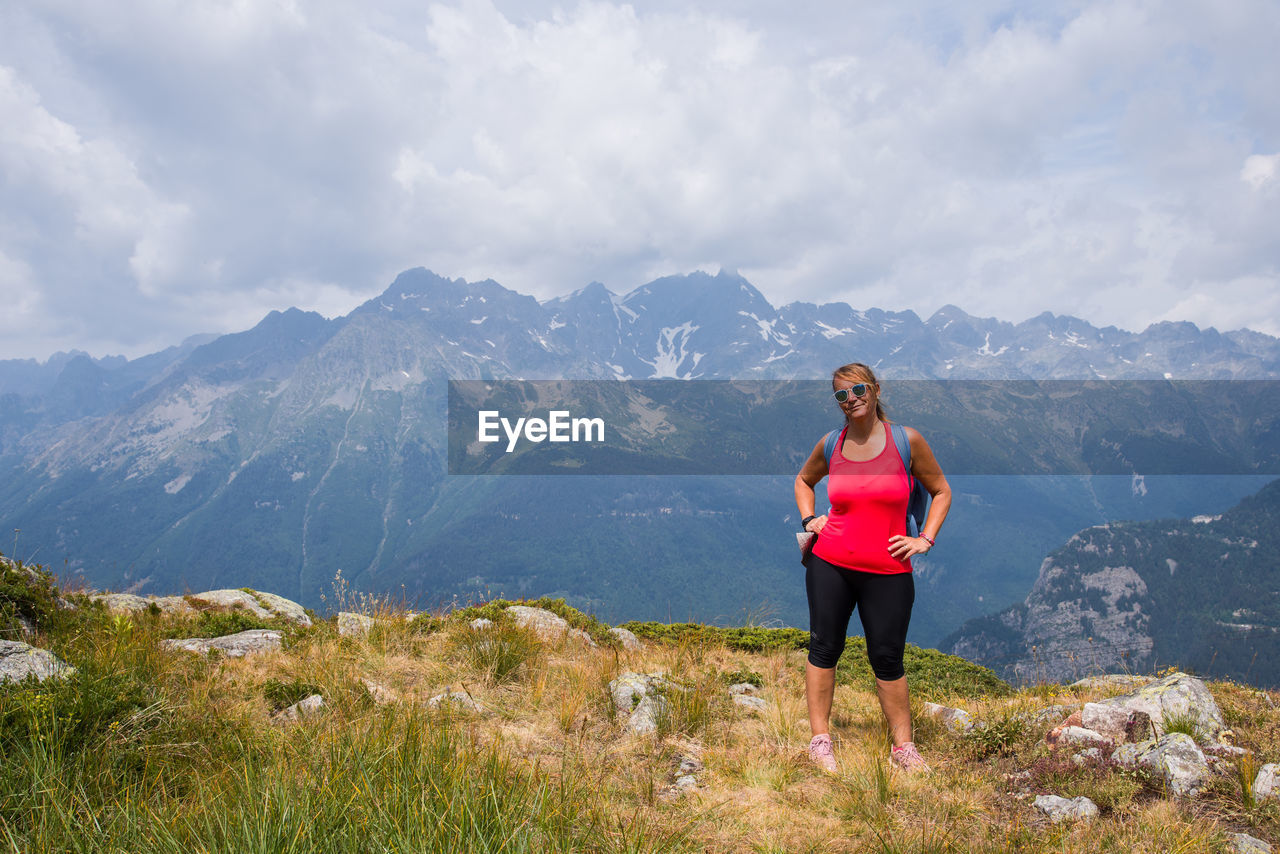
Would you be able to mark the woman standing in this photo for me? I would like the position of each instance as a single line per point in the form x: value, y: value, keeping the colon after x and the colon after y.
x: 861, y: 557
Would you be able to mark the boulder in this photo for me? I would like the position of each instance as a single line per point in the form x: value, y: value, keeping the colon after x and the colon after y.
x: 644, y: 718
x: 1064, y: 809
x: 1266, y: 785
x: 307, y: 707
x: 231, y: 599
x: 1243, y: 843
x: 1176, y: 695
x: 545, y: 624
x: 286, y: 608
x: 1079, y: 735
x: 1118, y: 723
x: 353, y: 625
x: 744, y: 688
x: 753, y: 704
x: 18, y: 660
x: 629, y: 688
x: 234, y: 646
x: 479, y: 624
x: 955, y: 720
x: 1111, y: 681
x: 1173, y: 758
x: 627, y: 638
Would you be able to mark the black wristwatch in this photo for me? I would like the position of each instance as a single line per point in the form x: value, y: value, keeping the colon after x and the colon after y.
x: 804, y: 523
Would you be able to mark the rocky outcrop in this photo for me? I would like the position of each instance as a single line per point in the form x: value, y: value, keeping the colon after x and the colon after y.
x: 234, y: 646
x: 1175, y: 697
x: 545, y: 624
x: 1173, y: 758
x: 1122, y: 596
x: 19, y: 660
x: 265, y: 606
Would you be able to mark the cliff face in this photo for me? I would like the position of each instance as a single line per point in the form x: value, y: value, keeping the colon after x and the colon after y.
x: 1202, y: 593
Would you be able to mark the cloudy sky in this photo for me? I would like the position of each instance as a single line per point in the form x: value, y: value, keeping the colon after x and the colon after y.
x: 172, y: 167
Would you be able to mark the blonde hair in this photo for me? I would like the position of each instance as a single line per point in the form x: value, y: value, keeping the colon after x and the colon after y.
x: 862, y: 373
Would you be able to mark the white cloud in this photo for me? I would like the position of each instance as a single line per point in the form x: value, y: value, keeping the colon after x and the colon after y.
x: 194, y: 163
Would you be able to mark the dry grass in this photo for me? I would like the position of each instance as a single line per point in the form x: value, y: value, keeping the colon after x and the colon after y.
x: 550, y: 714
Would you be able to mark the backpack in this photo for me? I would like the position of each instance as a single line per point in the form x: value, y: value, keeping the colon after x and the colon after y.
x: 919, y: 497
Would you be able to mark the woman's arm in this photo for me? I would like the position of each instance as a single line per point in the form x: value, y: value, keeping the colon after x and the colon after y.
x: 924, y: 468
x: 813, y: 470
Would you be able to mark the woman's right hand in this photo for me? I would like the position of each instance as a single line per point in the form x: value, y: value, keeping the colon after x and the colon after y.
x: 816, y: 524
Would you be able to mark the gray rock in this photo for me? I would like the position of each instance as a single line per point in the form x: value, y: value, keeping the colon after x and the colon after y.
x: 120, y: 602
x: 1122, y: 681
x: 353, y: 625
x: 479, y: 624
x: 1176, y: 695
x: 540, y: 621
x: 1174, y: 758
x: 644, y: 719
x: 1243, y: 843
x: 955, y: 720
x: 460, y: 700
x: 687, y: 782
x: 307, y: 707
x: 231, y: 599
x: 1061, y: 809
x: 234, y: 646
x: 744, y: 688
x: 1116, y: 722
x: 754, y: 704
x: 18, y: 660
x: 627, y: 638
x: 629, y: 688
x: 1266, y: 785
x: 1083, y: 735
x: 286, y: 608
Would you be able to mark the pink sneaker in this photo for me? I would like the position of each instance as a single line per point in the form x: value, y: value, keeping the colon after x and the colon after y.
x: 906, y: 757
x: 821, y: 754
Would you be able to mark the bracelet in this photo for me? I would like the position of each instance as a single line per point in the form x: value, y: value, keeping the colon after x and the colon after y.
x: 804, y: 523
x: 928, y: 540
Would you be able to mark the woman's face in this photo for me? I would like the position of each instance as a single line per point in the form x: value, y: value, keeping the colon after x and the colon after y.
x: 854, y: 405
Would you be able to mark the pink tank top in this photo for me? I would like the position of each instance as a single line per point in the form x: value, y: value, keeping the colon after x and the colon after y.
x: 868, y: 506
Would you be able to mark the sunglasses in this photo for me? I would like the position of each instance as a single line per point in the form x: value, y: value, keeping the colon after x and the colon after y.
x: 859, y: 390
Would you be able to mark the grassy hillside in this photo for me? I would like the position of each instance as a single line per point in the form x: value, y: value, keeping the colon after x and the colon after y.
x: 148, y: 750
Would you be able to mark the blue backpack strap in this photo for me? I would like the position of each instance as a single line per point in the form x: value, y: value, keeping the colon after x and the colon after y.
x: 918, y: 497
x: 829, y: 445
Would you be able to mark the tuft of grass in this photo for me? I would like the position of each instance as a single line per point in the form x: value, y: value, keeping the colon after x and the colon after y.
x: 999, y: 735
x: 281, y: 694
x: 503, y: 652
x: 1185, y: 723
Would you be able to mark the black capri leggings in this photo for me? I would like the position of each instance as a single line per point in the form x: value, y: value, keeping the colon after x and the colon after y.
x: 884, y: 605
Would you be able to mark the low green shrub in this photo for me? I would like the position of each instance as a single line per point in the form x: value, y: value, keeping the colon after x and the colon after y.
x: 27, y: 593
x: 741, y: 677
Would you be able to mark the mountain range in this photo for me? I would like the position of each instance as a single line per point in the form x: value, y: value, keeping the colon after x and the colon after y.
x: 1202, y: 594
x: 307, y: 448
